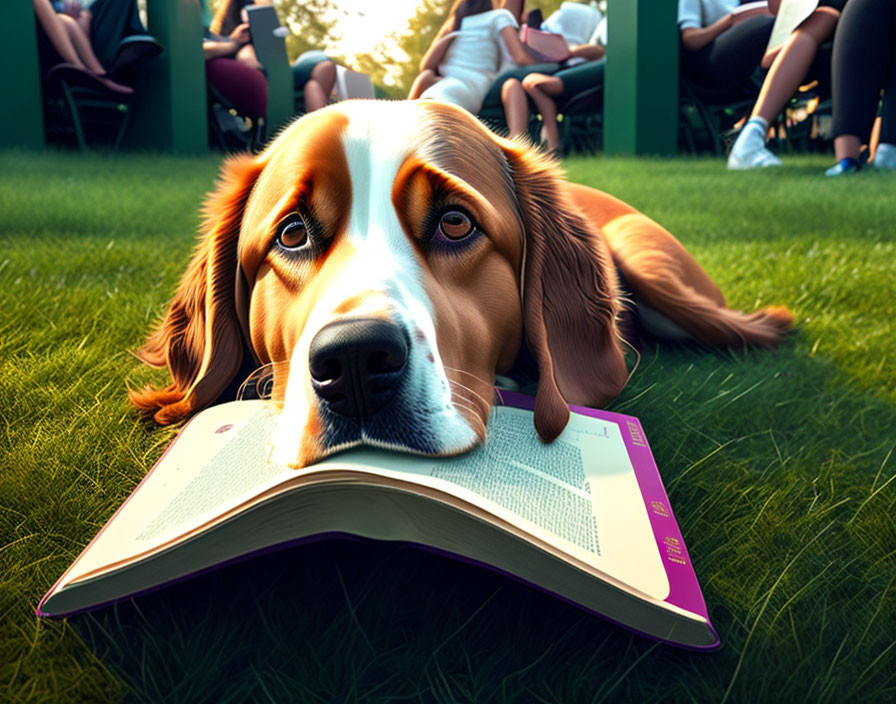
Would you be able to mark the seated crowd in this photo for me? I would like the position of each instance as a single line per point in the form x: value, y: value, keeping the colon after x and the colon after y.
x: 495, y: 58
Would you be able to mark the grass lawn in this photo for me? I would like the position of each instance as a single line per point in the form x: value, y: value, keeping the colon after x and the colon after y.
x: 778, y: 465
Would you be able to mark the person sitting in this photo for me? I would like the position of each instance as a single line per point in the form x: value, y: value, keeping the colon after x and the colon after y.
x: 579, y: 25
x: 245, y: 88
x: 118, y: 37
x: 242, y: 84
x: 463, y: 60
x: 721, y: 48
x: 68, y: 38
x: 231, y: 21
x: 789, y: 66
x: 314, y: 74
x: 864, y: 63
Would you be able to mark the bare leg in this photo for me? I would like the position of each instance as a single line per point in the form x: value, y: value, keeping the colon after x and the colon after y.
x: 318, y: 88
x: 846, y: 146
x: 325, y: 74
x: 543, y: 89
x: 315, y: 98
x: 84, y: 18
x: 82, y: 44
x: 72, y: 45
x: 875, y: 139
x: 516, y: 106
x: 793, y: 61
x: 56, y: 33
x: 426, y: 79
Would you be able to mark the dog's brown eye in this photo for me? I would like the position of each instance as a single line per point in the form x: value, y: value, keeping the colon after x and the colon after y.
x: 456, y: 225
x: 292, y: 232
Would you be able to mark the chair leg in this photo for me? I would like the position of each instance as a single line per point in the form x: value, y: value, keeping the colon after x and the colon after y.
x: 121, y: 128
x: 76, y: 119
x: 684, y: 122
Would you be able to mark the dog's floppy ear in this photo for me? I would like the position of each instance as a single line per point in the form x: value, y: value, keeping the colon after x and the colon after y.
x: 569, y: 297
x: 200, y: 339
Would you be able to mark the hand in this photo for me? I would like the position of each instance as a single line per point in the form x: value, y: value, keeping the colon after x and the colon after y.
x: 240, y: 34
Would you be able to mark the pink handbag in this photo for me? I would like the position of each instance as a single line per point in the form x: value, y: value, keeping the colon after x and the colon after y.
x: 544, y: 46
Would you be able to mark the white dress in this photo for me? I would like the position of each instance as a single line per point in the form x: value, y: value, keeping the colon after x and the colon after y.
x: 471, y: 63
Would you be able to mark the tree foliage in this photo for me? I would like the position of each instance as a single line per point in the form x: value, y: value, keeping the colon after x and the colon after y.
x: 313, y: 24
x: 395, y: 61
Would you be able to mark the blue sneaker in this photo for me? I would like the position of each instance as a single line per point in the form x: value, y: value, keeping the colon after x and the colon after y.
x: 844, y: 166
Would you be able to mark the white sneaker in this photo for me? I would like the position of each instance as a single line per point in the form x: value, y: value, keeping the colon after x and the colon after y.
x: 750, y: 152
x: 885, y: 157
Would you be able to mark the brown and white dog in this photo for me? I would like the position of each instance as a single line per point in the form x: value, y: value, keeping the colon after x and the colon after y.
x: 389, y: 258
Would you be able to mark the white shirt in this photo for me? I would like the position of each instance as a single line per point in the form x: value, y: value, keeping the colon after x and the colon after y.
x: 476, y: 48
x: 600, y: 34
x: 702, y: 13
x: 471, y: 63
x: 574, y: 21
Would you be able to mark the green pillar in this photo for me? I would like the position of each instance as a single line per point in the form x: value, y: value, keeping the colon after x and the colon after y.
x: 641, y: 83
x: 281, y: 103
x: 21, y: 111
x: 169, y: 111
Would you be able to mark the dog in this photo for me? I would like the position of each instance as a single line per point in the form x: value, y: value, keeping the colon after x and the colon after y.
x: 387, y: 258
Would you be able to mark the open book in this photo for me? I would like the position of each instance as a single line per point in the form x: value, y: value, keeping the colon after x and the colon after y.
x: 791, y: 14
x: 585, y: 517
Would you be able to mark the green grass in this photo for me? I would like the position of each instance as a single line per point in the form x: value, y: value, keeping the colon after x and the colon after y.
x: 778, y: 466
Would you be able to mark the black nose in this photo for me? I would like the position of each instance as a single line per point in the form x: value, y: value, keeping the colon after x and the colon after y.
x: 357, y: 364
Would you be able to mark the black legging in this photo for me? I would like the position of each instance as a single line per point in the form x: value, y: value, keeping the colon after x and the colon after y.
x: 729, y: 60
x: 864, y: 63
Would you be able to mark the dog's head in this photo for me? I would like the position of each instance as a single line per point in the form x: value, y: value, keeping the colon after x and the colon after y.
x: 387, y: 259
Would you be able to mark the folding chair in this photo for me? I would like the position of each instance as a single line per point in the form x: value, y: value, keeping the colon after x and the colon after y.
x: 77, y: 105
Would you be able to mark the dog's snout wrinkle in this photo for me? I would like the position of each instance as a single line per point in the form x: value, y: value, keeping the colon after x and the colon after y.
x: 356, y: 365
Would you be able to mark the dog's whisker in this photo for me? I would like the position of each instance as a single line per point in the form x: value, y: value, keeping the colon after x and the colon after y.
x: 475, y: 420
x: 470, y: 389
x: 637, y: 354
x: 458, y: 397
x: 462, y: 401
x: 463, y: 371
x: 475, y: 396
x: 471, y: 395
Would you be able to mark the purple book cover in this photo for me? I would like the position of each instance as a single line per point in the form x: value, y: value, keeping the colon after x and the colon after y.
x: 684, y: 590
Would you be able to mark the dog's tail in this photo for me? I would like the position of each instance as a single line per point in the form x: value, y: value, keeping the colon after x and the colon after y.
x: 666, y: 278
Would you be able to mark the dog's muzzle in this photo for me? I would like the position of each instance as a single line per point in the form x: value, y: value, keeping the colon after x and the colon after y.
x: 357, y: 365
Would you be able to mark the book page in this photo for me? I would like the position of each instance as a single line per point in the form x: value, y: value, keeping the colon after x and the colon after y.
x: 791, y: 15
x: 219, y: 462
x: 579, y: 493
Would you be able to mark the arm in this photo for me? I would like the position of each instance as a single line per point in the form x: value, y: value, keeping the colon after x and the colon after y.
x: 436, y: 53
x: 694, y: 39
x: 226, y: 46
x: 213, y: 49
x: 511, y: 38
x: 589, y: 52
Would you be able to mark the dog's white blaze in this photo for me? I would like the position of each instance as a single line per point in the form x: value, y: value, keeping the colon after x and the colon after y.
x: 376, y: 143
